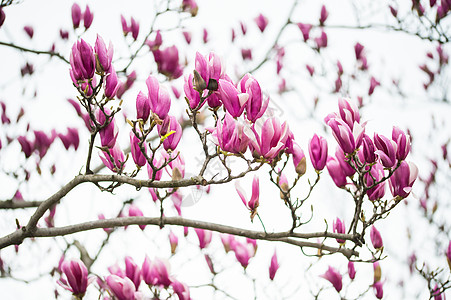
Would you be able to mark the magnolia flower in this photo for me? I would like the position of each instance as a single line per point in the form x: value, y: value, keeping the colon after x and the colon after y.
x: 253, y: 203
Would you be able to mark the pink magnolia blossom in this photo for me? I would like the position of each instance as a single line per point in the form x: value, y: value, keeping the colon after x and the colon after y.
x: 82, y: 61
x: 402, y: 143
x: 134, y: 211
x: 229, y: 135
x: 132, y: 271
x: 274, y: 266
x: 262, y: 22
x: 349, y: 113
x: 256, y: 106
x: 243, y: 253
x: 76, y: 15
x: 268, y: 138
x: 173, y: 240
x: 305, y: 29
x: 122, y: 288
x: 334, y: 277
x: 402, y: 179
x: 376, y: 238
x: 156, y: 272
x: 116, y: 162
x: 351, y: 270
x: 234, y: 101
x: 170, y: 124
x: 299, y: 160
x: 377, y: 172
x: 29, y: 31
x: 181, y: 289
x: 323, y: 16
x: 339, y: 227
x: 378, y: 289
x: 336, y: 172
x: 75, y: 277
x: 104, y: 56
x: 109, y: 133
x: 386, y: 150
x: 168, y: 62
x: 88, y: 16
x: 253, y: 203
x: 159, y: 100
x: 204, y: 237
x: 358, y: 49
x: 348, y: 140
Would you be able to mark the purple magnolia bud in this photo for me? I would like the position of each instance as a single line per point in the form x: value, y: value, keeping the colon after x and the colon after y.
x: 187, y: 36
x: 336, y: 172
x: 323, y: 16
x: 76, y: 15
x: 111, y: 84
x: 2, y: 16
x: 181, y: 289
x: 268, y: 139
x: 368, y: 151
x: 125, y: 28
x: 64, y: 34
x: 255, y: 107
x: 142, y: 107
x: 122, y: 288
x: 448, y: 255
x: 205, y: 35
x: 82, y: 60
x: 373, y: 84
x: 156, y: 164
x: 437, y: 293
x: 190, y: 6
x: 243, y: 253
x: 402, y: 141
x: 168, y: 62
x: 29, y: 30
x: 191, y: 94
x: 345, y: 163
x: 134, y: 28
x: 339, y: 227
x: 299, y: 161
x: 132, y: 271
x: 378, y: 289
x: 108, y: 134
x: 138, y: 156
x: 246, y: 54
x: 274, y: 266
x: 254, y: 201
x: 262, y: 22
x: 321, y: 41
x: 104, y: 56
x: 171, y: 142
x: 402, y: 179
x: 305, y: 29
x: 173, y: 240
x: 333, y: 277
x: 27, y: 146
x: 88, y: 16
x: 393, y: 11
x: 75, y: 277
x: 159, y: 99
x: 318, y: 152
x: 116, y: 162
x: 377, y: 172
x: 351, y: 270
x: 234, y: 101
x: 386, y: 150
x: 358, y: 49
x: 376, y: 238
x: 348, y: 140
x: 204, y: 237
x: 310, y: 69
x: 348, y: 112
x: 70, y: 139
x: 243, y: 28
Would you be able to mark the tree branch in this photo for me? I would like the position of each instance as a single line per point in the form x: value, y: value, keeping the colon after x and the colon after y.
x: 35, y: 51
x: 287, y: 237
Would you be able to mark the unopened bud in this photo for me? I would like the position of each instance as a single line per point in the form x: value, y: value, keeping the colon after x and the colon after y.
x: 198, y: 82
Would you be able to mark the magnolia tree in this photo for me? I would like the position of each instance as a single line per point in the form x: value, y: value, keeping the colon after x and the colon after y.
x: 169, y: 152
